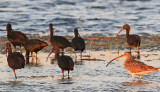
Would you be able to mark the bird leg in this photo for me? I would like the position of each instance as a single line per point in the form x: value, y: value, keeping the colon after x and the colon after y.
x: 75, y: 56
x: 130, y: 48
x: 81, y: 55
x: 14, y: 48
x: 140, y: 77
x: 138, y: 50
x: 27, y: 57
x: 62, y: 74
x: 14, y: 73
x: 21, y: 49
x: 36, y: 57
x: 49, y: 55
x: 57, y: 53
x: 68, y: 75
x: 32, y: 56
x: 133, y: 75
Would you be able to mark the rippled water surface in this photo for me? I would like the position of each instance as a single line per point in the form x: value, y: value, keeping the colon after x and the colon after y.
x: 101, y: 16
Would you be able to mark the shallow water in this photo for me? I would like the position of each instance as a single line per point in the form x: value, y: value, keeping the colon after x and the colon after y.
x: 88, y: 76
x: 101, y: 16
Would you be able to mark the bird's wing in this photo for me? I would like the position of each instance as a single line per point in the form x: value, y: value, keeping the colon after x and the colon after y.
x: 20, y: 36
x: 137, y: 66
x: 134, y: 40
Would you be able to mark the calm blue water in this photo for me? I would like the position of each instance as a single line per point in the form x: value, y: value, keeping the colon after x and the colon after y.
x: 101, y: 16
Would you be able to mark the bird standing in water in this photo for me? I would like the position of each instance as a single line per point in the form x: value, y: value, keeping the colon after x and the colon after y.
x: 132, y: 40
x: 78, y: 43
x: 33, y: 45
x: 16, y: 38
x: 58, y: 42
x: 15, y: 60
x: 65, y: 63
x: 135, y: 67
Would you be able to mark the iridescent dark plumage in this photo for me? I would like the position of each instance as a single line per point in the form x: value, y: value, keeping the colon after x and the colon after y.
x: 17, y: 38
x: 58, y: 42
x: 15, y: 60
x: 65, y: 63
x: 34, y: 45
x: 77, y: 42
x: 132, y: 40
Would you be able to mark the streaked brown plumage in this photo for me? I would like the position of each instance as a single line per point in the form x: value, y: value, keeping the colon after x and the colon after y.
x: 58, y: 42
x: 33, y: 45
x: 132, y: 40
x: 16, y: 38
x: 135, y: 67
x: 15, y: 60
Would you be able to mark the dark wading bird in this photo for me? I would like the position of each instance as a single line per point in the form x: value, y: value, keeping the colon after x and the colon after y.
x: 16, y: 38
x: 132, y: 40
x: 78, y: 43
x: 135, y: 67
x: 15, y: 60
x: 58, y: 42
x: 33, y: 45
x: 65, y: 63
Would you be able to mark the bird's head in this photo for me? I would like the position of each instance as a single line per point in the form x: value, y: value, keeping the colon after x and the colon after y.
x: 76, y: 32
x: 9, y: 27
x: 126, y: 26
x: 50, y: 26
x: 126, y: 54
x: 8, y: 48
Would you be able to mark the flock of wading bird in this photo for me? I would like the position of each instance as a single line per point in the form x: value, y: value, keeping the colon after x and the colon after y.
x: 17, y: 61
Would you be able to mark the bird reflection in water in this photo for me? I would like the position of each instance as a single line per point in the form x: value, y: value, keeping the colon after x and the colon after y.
x: 139, y: 83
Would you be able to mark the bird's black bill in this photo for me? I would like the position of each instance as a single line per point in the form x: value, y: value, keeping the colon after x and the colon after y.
x: 114, y: 59
x: 119, y: 32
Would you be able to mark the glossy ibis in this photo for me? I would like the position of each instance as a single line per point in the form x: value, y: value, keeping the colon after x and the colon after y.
x: 77, y: 42
x: 34, y: 45
x: 65, y: 63
x: 58, y: 42
x: 135, y: 67
x: 16, y: 38
x: 15, y: 60
x: 132, y: 40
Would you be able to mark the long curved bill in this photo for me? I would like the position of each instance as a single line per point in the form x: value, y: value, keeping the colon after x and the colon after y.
x: 119, y: 32
x: 114, y: 59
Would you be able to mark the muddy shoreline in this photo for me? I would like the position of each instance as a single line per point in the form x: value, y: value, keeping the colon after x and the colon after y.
x: 97, y: 42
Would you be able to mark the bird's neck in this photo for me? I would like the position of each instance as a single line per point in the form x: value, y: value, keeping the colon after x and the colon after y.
x: 9, y: 31
x: 9, y: 51
x: 128, y: 58
x: 76, y: 35
x: 51, y: 33
x: 127, y: 33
